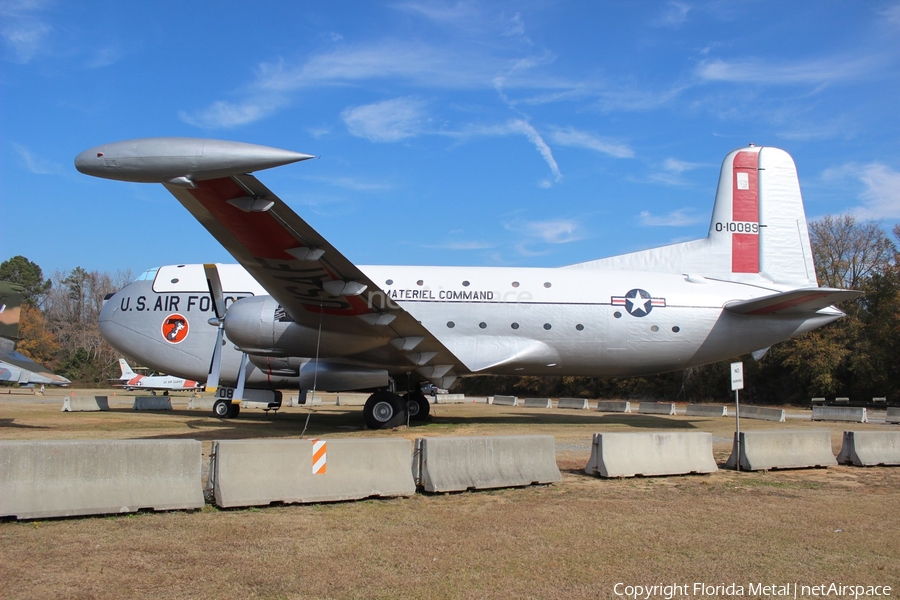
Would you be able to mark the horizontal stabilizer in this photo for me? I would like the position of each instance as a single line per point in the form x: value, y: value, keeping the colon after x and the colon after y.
x: 808, y: 300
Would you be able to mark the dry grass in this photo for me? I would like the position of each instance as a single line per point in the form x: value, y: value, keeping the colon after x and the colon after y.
x: 571, y: 540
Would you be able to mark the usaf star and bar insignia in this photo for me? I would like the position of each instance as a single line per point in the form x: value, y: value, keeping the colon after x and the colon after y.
x: 638, y: 302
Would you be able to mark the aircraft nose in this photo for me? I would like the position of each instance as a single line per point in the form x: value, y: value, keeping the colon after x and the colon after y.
x: 90, y: 162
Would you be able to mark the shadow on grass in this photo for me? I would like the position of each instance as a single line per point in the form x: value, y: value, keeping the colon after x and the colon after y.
x: 12, y: 424
x: 255, y: 424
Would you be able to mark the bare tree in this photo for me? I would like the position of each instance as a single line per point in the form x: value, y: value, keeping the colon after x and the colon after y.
x: 847, y: 252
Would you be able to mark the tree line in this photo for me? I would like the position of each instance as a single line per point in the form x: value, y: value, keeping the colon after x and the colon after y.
x: 857, y: 356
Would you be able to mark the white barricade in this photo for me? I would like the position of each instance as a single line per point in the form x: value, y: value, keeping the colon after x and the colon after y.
x: 449, y: 398
x: 763, y: 450
x: 306, y: 399
x: 760, y: 412
x: 506, y: 400
x: 199, y: 403
x: 656, y: 408
x: 870, y: 448
x: 651, y: 453
x: 893, y: 415
x: 576, y: 403
x: 452, y: 464
x: 260, y: 472
x: 537, y: 403
x: 351, y: 399
x: 152, y: 403
x: 622, y: 406
x: 706, y: 410
x: 854, y: 414
x: 43, y: 479
x: 85, y: 403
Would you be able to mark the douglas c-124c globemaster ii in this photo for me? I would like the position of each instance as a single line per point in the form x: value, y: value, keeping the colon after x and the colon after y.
x: 300, y: 314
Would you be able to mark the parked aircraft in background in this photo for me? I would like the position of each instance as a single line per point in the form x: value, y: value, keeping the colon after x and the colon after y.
x: 15, y: 367
x: 300, y: 314
x: 164, y: 383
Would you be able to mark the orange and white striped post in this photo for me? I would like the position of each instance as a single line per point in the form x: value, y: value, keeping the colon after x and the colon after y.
x: 319, y: 457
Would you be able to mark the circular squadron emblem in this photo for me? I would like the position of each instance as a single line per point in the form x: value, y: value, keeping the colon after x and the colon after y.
x: 174, y: 328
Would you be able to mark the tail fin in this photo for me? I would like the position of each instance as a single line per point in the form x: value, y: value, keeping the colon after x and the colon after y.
x: 127, y: 373
x: 758, y: 230
x: 10, y: 310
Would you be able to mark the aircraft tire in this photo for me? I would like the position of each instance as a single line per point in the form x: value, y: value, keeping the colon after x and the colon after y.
x: 225, y: 409
x: 384, y: 410
x: 418, y: 406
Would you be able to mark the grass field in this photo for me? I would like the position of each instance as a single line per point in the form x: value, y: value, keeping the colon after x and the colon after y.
x: 576, y: 539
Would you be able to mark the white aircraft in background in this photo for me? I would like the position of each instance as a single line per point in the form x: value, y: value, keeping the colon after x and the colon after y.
x: 300, y: 314
x: 15, y: 367
x: 165, y: 383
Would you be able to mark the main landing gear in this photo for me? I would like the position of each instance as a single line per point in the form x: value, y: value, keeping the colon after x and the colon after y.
x: 386, y: 410
x: 226, y: 409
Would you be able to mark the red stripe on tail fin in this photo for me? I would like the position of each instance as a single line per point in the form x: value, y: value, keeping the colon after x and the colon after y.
x: 745, y: 208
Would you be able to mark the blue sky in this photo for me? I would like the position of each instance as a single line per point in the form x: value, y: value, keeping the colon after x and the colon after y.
x: 451, y: 133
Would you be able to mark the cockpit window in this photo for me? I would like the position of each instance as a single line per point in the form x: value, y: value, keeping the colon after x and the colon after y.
x: 148, y: 275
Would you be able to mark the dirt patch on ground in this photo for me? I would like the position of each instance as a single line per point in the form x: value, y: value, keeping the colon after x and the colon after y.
x: 577, y: 539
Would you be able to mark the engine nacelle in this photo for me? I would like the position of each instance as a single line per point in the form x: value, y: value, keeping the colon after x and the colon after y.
x: 251, y: 325
x: 258, y: 325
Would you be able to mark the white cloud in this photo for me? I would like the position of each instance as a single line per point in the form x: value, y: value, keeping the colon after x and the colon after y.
x: 673, y: 165
x: 881, y: 197
x: 821, y: 71
x: 36, y: 165
x: 674, y: 15
x: 881, y: 189
x: 523, y: 127
x: 387, y: 121
x: 23, y: 29
x: 580, y: 139
x: 676, y: 218
x: 223, y: 114
x: 551, y: 231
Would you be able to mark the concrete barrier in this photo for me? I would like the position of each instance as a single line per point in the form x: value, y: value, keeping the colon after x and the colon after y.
x: 870, y: 448
x: 576, y: 403
x: 152, y: 403
x: 893, y: 415
x: 260, y: 472
x: 763, y: 450
x: 506, y: 400
x: 85, y: 403
x: 656, y: 408
x: 450, y: 399
x: 201, y: 403
x: 622, y: 406
x: 537, y: 403
x: 43, y: 479
x: 651, y: 453
x: 853, y: 414
x: 453, y: 464
x: 351, y: 399
x: 765, y: 414
x: 306, y: 399
x: 706, y: 410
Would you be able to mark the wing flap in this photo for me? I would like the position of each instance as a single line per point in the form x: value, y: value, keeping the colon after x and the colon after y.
x: 310, y: 278
x: 794, y: 302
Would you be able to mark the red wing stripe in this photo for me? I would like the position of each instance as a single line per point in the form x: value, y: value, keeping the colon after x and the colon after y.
x: 787, y: 304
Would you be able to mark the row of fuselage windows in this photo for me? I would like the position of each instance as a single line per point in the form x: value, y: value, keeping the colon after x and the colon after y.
x: 466, y: 283
x: 548, y: 326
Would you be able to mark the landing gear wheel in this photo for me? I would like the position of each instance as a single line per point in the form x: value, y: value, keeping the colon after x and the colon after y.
x: 384, y: 410
x: 225, y: 409
x: 418, y: 406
